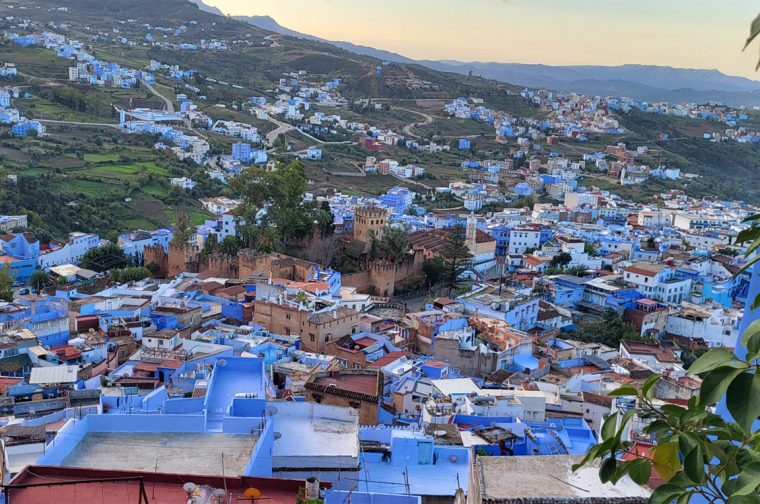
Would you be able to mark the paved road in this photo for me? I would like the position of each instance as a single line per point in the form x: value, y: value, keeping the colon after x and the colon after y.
x: 76, y: 123
x: 167, y: 101
x: 410, y: 181
x: 282, y: 128
x: 408, y: 128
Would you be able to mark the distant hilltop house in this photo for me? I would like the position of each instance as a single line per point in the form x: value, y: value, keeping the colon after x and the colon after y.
x: 183, y: 183
x: 27, y: 128
x: 8, y: 70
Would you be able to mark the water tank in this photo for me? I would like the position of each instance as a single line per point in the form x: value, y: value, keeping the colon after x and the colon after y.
x: 311, y: 491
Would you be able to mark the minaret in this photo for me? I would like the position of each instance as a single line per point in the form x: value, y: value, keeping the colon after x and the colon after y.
x: 472, y: 231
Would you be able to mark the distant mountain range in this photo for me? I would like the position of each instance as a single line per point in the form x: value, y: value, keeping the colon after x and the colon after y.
x: 645, y: 82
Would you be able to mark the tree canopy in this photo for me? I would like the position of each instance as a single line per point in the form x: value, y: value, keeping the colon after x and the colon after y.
x: 104, y: 258
x: 455, y: 256
x: 6, y: 283
x: 392, y: 246
x: 281, y: 194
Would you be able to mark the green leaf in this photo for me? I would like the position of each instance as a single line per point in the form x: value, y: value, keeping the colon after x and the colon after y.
x: 694, y: 465
x: 687, y: 442
x: 623, y: 422
x: 625, y: 390
x: 715, y: 384
x: 751, y: 337
x: 640, y: 470
x: 754, y: 31
x: 607, y: 469
x: 712, y: 360
x: 743, y: 399
x: 748, y: 480
x: 673, y: 410
x: 665, y: 494
x: 744, y: 499
x: 620, y: 471
x: 594, y: 452
x: 666, y: 460
x: 684, y: 498
x: 657, y: 427
x: 647, y: 390
x: 747, y: 265
x: 609, y: 426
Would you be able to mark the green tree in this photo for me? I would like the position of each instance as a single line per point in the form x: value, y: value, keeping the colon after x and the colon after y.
x: 728, y: 251
x: 129, y: 274
x: 610, y: 330
x: 3, y: 176
x: 182, y: 230
x: 433, y: 270
x: 230, y: 246
x: 7, y: 277
x: 210, y: 246
x: 104, y: 258
x: 561, y: 260
x: 394, y: 244
x: 267, y: 240
x: 38, y: 280
x: 325, y: 220
x: 579, y: 271
x: 455, y: 256
x: 280, y: 193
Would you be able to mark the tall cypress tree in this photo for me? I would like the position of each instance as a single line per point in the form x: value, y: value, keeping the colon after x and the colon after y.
x: 455, y: 255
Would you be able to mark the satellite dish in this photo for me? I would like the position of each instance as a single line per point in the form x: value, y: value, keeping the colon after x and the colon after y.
x: 277, y: 435
x: 219, y: 492
x: 271, y: 410
x: 189, y: 487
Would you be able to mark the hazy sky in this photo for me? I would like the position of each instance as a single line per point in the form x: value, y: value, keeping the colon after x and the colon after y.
x: 681, y: 33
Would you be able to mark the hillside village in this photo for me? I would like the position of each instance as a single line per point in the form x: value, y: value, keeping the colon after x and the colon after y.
x: 416, y: 299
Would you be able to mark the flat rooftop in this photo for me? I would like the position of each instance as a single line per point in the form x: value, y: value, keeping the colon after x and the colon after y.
x: 164, y: 452
x: 550, y: 479
x: 314, y: 435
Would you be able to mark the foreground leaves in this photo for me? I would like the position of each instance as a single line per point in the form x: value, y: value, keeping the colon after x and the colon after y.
x: 696, y: 452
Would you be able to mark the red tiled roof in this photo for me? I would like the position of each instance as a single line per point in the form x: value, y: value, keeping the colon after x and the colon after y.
x: 360, y: 383
x: 148, y: 367
x: 640, y: 271
x: 387, y: 359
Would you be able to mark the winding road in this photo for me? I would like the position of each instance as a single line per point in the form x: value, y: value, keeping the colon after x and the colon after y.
x: 167, y: 101
x: 408, y: 128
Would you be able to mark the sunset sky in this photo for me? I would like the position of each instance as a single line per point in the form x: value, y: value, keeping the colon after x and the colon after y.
x: 680, y: 33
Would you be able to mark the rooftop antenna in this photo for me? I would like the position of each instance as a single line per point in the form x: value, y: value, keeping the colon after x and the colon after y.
x: 224, y: 479
x: 406, y: 480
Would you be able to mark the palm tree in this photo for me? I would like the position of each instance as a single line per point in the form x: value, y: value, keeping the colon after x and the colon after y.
x: 268, y: 240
